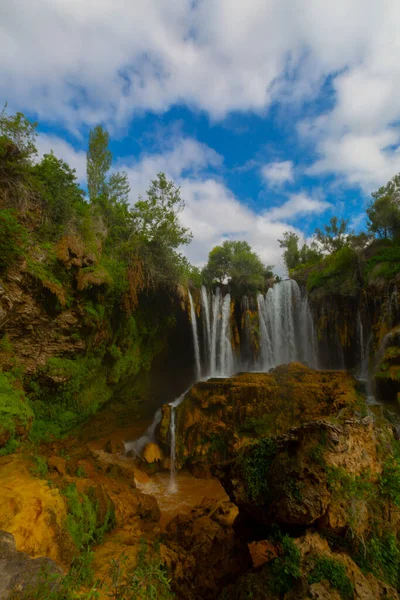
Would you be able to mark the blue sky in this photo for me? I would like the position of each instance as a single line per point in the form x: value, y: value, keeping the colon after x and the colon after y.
x: 271, y: 116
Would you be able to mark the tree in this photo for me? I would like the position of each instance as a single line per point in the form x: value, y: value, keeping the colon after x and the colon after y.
x: 98, y: 163
x: 59, y: 190
x: 17, y: 137
x: 384, y: 213
x: 291, y: 255
x: 236, y: 263
x: 310, y: 254
x: 334, y: 236
x: 156, y: 218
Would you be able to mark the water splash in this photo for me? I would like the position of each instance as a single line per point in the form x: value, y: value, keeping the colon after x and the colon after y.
x: 196, y: 344
x: 136, y: 447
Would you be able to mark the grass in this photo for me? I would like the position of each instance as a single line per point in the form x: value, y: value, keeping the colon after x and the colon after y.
x: 333, y: 571
x: 255, y: 463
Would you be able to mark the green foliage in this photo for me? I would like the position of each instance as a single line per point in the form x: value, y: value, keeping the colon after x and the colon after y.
x: 10, y: 447
x: 255, y: 462
x: 285, y: 569
x: 40, y: 467
x: 384, y: 264
x: 334, y: 236
x: 80, y: 472
x: 384, y: 212
x: 156, y: 218
x: 389, y: 483
x: 147, y: 581
x: 60, y: 193
x: 235, y: 262
x: 13, y: 239
x: 381, y: 556
x: 14, y: 409
x: 333, y: 571
x: 83, y: 519
x: 336, y: 274
x: 17, y: 138
x: 99, y: 160
x: 291, y: 255
x: 258, y: 425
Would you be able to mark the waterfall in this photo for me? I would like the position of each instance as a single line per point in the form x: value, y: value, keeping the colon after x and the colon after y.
x: 136, y: 446
x: 195, y: 339
x: 363, y: 366
x: 226, y: 366
x: 172, y: 429
x: 205, y: 307
x: 214, y: 332
x: 286, y: 327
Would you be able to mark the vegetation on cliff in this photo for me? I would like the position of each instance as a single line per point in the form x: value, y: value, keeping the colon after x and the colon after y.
x: 105, y: 271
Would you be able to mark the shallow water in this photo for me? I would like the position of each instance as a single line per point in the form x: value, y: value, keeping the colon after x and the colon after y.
x: 190, y: 492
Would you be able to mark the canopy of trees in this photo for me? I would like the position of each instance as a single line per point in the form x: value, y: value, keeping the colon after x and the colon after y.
x: 236, y: 263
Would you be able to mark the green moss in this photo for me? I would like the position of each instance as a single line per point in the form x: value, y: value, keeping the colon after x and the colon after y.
x: 381, y: 556
x: 14, y: 409
x: 40, y: 467
x: 333, y: 571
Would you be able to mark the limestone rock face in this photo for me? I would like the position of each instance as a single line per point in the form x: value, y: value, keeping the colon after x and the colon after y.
x: 202, y: 552
x: 291, y: 481
x: 219, y: 416
x: 19, y: 572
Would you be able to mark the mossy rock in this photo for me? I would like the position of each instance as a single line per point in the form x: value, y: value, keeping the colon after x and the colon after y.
x: 15, y: 414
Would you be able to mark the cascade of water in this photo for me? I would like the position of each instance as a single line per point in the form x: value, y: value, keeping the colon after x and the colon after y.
x: 205, y: 307
x: 286, y: 327
x: 136, y: 446
x: 214, y: 332
x: 196, y: 344
x: 226, y: 352
x: 172, y: 429
x: 363, y: 366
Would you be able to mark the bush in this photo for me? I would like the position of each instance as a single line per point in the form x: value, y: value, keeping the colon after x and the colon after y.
x: 385, y: 264
x: 329, y: 569
x: 40, y: 468
x: 336, y: 274
x: 14, y: 410
x: 286, y: 569
x: 13, y: 239
x: 83, y: 519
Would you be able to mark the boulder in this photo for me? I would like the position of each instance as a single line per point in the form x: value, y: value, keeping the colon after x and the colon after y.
x: 19, y: 573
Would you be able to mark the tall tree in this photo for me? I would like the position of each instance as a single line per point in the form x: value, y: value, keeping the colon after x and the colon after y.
x: 157, y: 219
x: 235, y: 262
x: 384, y: 213
x: 98, y: 163
x: 334, y: 236
x: 291, y: 254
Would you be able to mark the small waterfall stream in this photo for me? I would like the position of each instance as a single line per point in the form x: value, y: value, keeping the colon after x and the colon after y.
x: 172, y: 488
x: 195, y: 339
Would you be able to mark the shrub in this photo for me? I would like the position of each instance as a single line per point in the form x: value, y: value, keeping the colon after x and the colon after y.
x: 336, y: 274
x: 14, y: 409
x: 13, y: 238
x: 83, y: 519
x: 40, y: 467
x: 329, y: 569
x: 147, y: 581
x: 285, y: 569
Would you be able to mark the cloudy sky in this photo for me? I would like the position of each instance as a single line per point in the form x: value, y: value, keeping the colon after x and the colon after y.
x: 270, y: 114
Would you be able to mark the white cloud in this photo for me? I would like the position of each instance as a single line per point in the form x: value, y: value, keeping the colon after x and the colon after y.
x: 298, y: 204
x: 277, y: 173
x: 82, y: 62
x: 76, y: 159
x: 212, y: 211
